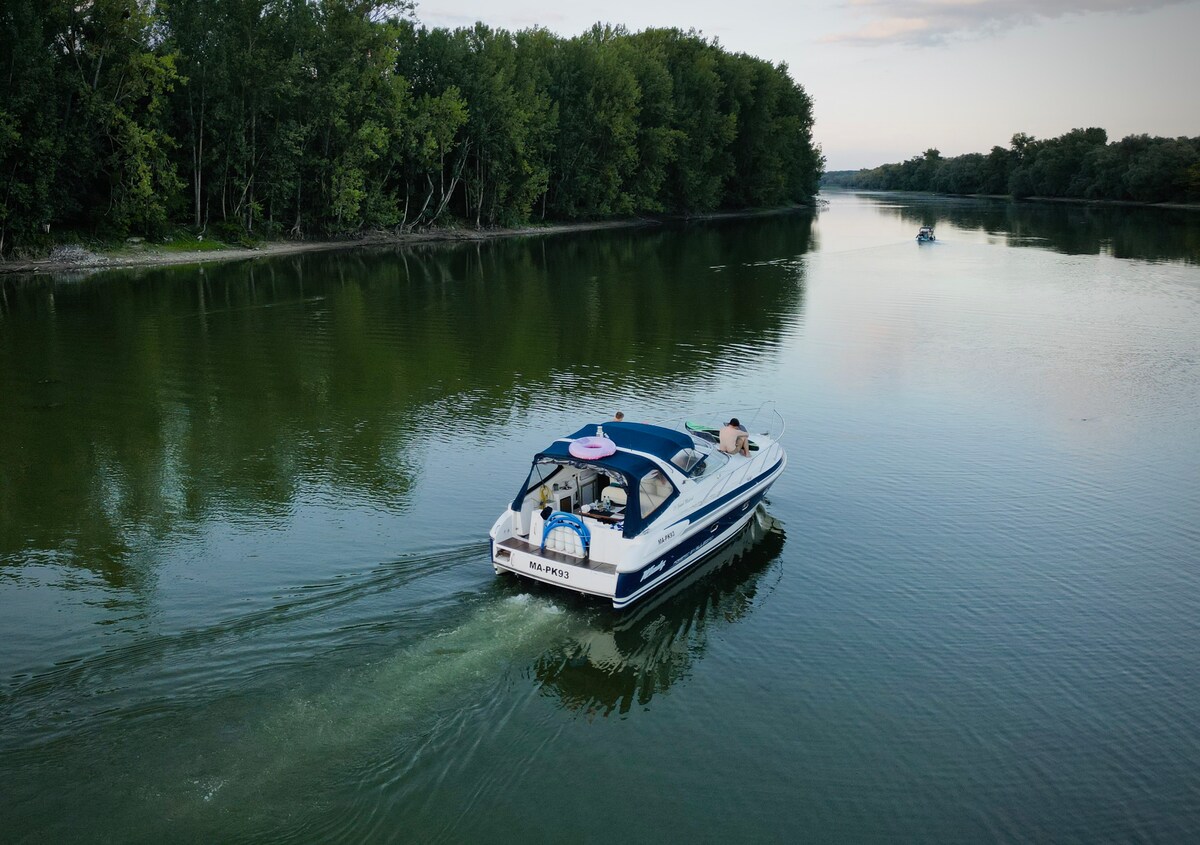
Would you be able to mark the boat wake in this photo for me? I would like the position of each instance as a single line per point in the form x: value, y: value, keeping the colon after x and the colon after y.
x: 61, y: 699
x: 303, y: 744
x: 263, y: 756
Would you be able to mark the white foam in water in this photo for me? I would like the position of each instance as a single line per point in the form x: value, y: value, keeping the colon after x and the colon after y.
x: 209, y: 788
x: 528, y: 600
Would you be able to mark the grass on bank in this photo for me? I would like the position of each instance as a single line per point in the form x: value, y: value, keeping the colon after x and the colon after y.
x: 70, y: 245
x: 187, y: 242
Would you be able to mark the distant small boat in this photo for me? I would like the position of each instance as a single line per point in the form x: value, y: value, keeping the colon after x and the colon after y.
x: 925, y: 234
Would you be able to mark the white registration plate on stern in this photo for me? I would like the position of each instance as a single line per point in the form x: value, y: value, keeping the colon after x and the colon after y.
x: 564, y: 575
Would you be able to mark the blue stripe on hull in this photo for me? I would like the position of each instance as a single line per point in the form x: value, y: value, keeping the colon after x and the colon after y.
x: 697, y: 516
x: 632, y: 586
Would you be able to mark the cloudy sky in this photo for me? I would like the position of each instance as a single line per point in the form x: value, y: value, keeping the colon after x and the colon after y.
x: 892, y: 78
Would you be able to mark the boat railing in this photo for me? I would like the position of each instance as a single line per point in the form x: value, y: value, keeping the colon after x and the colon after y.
x: 767, y: 409
x: 750, y: 415
x: 733, y: 478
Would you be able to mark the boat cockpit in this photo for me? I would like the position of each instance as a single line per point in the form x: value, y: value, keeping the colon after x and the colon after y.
x: 625, y: 491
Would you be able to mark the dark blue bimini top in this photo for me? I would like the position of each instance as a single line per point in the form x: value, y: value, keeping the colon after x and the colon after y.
x: 663, y: 443
x: 655, y: 440
x: 634, y: 467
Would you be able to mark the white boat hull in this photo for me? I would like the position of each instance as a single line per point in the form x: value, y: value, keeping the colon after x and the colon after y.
x: 644, y: 564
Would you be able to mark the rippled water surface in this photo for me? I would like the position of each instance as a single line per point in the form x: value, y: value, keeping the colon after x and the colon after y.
x: 244, y: 583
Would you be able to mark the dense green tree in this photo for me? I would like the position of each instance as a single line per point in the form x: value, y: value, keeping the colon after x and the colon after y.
x: 84, y: 125
x: 993, y: 174
x: 704, y: 116
x: 31, y: 93
x: 1079, y: 164
x: 248, y: 117
x: 1054, y: 167
x: 506, y: 170
x: 1164, y: 170
x: 959, y: 175
x: 658, y: 139
x: 538, y: 51
x: 599, y: 106
x: 361, y: 102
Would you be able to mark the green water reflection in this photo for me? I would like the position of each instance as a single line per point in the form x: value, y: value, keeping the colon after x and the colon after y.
x: 1149, y: 234
x: 139, y: 403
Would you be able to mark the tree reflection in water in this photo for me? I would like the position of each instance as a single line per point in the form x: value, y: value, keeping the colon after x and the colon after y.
x: 1143, y: 233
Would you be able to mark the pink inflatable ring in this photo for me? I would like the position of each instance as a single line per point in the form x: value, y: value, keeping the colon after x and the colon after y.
x: 590, y: 448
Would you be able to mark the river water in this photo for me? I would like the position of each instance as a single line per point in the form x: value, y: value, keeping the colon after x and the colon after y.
x: 244, y: 580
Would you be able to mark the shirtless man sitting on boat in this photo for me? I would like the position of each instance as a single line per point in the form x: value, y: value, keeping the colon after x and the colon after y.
x: 734, y: 438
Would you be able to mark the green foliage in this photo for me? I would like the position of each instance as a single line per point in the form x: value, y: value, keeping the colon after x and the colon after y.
x: 253, y: 117
x: 706, y: 116
x: 187, y: 242
x: 31, y: 141
x: 599, y: 102
x: 1080, y: 164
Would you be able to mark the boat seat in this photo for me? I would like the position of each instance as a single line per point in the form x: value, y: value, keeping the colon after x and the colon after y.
x: 616, y: 495
x: 654, y: 490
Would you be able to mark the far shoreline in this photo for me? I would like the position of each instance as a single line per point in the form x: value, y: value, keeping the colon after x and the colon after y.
x: 151, y: 256
x: 1177, y: 206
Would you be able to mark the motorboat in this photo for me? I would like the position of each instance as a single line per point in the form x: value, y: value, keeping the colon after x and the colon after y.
x: 618, y: 509
x: 925, y: 234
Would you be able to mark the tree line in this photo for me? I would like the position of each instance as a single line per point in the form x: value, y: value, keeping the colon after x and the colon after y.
x: 1081, y: 164
x: 315, y: 117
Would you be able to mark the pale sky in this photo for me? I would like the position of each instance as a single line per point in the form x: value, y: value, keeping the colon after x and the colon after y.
x: 891, y: 78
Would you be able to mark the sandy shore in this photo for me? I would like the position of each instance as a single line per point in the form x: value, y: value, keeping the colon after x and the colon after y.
x: 147, y: 255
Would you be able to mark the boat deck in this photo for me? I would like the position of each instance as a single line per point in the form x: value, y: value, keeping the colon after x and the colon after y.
x: 516, y: 544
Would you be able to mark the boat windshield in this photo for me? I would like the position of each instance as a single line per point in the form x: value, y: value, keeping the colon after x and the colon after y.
x: 704, y: 458
x: 541, y: 473
x: 688, y: 460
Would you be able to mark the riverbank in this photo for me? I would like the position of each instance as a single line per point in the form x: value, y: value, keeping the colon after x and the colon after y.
x: 71, y: 259
x: 75, y: 259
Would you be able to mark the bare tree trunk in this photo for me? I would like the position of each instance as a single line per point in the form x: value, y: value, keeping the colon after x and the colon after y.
x: 99, y: 64
x: 296, y: 226
x: 428, y: 197
x: 253, y: 171
x: 197, y: 152
x: 404, y: 218
x: 196, y: 184
x: 482, y: 191
x: 7, y: 193
x: 462, y: 162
